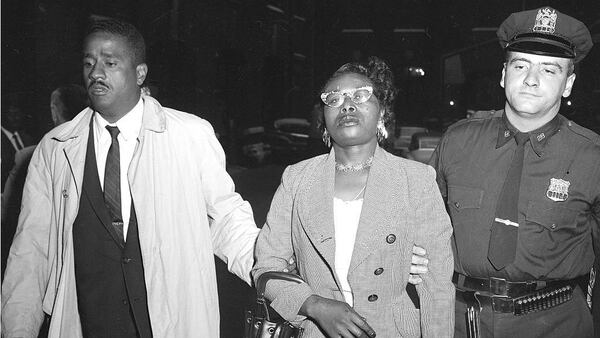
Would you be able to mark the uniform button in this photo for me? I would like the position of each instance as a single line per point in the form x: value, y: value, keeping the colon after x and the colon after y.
x: 391, y: 238
x: 457, y: 205
x: 126, y: 260
x: 372, y: 298
x: 553, y: 226
x: 378, y: 271
x: 64, y: 193
x: 124, y: 301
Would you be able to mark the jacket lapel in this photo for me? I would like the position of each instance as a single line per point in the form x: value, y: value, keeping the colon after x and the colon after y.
x: 317, y: 217
x: 380, y: 216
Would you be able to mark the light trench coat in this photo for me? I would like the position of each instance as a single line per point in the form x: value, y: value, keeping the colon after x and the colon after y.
x: 187, y: 210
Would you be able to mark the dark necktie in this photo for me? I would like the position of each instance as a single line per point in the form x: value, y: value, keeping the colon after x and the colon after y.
x: 505, y: 229
x: 18, y: 143
x: 112, y: 182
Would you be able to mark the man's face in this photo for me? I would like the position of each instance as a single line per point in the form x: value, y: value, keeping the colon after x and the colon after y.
x: 534, y: 84
x: 111, y: 77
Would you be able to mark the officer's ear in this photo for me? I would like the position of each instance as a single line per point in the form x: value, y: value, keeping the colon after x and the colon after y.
x: 569, y: 85
x: 141, y: 71
x: 503, y: 73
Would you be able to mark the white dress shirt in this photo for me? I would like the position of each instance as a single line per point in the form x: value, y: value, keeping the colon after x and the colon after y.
x: 129, y: 129
x: 346, y: 215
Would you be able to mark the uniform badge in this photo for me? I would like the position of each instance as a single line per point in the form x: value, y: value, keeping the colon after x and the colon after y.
x: 558, y: 191
x: 540, y: 137
x: 545, y: 21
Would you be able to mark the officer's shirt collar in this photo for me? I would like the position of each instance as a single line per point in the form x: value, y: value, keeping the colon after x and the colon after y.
x: 538, y: 137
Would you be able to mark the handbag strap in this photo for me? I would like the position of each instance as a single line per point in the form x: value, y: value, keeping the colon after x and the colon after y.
x: 261, y: 283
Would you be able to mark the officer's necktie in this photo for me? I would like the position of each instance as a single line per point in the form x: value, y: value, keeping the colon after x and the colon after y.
x: 505, y: 229
x: 112, y: 182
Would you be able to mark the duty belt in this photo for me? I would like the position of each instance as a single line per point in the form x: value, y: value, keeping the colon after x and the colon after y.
x: 503, y: 288
x: 518, y: 298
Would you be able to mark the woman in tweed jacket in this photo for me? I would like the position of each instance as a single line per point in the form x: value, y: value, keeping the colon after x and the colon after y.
x: 350, y: 218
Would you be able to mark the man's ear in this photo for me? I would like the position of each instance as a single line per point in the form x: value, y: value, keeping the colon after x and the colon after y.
x: 503, y: 74
x: 569, y: 85
x: 141, y: 71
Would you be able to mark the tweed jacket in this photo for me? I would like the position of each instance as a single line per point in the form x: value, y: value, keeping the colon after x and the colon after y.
x: 402, y: 206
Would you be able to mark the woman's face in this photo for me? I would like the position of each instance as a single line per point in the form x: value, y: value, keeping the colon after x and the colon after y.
x: 351, y: 123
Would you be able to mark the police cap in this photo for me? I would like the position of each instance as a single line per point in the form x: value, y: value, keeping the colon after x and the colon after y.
x: 545, y: 31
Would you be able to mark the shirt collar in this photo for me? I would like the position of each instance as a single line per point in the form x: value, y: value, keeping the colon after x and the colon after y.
x: 538, y: 137
x: 129, y: 125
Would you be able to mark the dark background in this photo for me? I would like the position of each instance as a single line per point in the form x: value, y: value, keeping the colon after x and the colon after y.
x: 246, y: 63
x: 241, y: 64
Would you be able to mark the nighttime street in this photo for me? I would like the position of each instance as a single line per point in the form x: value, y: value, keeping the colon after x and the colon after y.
x: 496, y: 103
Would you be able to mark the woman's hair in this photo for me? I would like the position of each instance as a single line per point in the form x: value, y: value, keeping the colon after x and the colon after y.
x: 380, y: 75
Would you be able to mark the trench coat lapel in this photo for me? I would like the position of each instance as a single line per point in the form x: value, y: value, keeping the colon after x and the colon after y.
x: 380, y: 214
x: 317, y: 218
x: 74, y: 150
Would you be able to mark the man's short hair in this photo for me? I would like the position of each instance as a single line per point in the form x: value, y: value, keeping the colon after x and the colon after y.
x: 117, y: 27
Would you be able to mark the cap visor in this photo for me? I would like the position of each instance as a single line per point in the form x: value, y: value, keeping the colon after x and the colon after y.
x: 541, y: 46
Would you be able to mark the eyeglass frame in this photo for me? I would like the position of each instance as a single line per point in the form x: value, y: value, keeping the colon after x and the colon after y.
x: 349, y: 93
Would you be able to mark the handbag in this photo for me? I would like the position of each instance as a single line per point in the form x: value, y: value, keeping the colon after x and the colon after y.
x: 263, y: 321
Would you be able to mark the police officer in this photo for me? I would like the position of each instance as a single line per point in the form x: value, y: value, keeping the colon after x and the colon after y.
x: 522, y: 187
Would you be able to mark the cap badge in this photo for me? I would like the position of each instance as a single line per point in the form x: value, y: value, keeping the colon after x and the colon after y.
x: 545, y: 21
x: 558, y: 191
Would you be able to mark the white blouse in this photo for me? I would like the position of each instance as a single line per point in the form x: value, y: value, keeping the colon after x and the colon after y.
x: 346, y: 215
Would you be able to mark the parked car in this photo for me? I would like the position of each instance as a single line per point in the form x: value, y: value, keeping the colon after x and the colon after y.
x: 288, y: 140
x: 422, y: 145
x: 403, y: 139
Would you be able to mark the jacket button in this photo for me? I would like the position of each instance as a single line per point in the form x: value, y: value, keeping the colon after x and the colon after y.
x: 372, y: 298
x: 378, y: 271
x: 126, y: 260
x: 391, y: 238
x: 457, y: 205
x: 124, y: 301
x: 64, y: 193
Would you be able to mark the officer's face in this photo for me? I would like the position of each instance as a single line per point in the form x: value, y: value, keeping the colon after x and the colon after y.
x: 534, y: 84
x: 351, y: 123
x: 111, y: 77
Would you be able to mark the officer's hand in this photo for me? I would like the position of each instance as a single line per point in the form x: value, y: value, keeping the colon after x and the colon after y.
x: 418, y: 265
x: 336, y: 318
x: 291, y: 267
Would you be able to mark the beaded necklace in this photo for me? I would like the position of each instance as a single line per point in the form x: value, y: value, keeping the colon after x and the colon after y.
x: 354, y: 167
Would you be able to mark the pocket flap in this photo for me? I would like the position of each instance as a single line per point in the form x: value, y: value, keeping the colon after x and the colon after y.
x: 552, y: 217
x: 461, y: 197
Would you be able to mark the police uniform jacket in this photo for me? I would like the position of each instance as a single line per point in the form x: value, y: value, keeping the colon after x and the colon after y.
x: 559, y: 203
x: 402, y: 206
